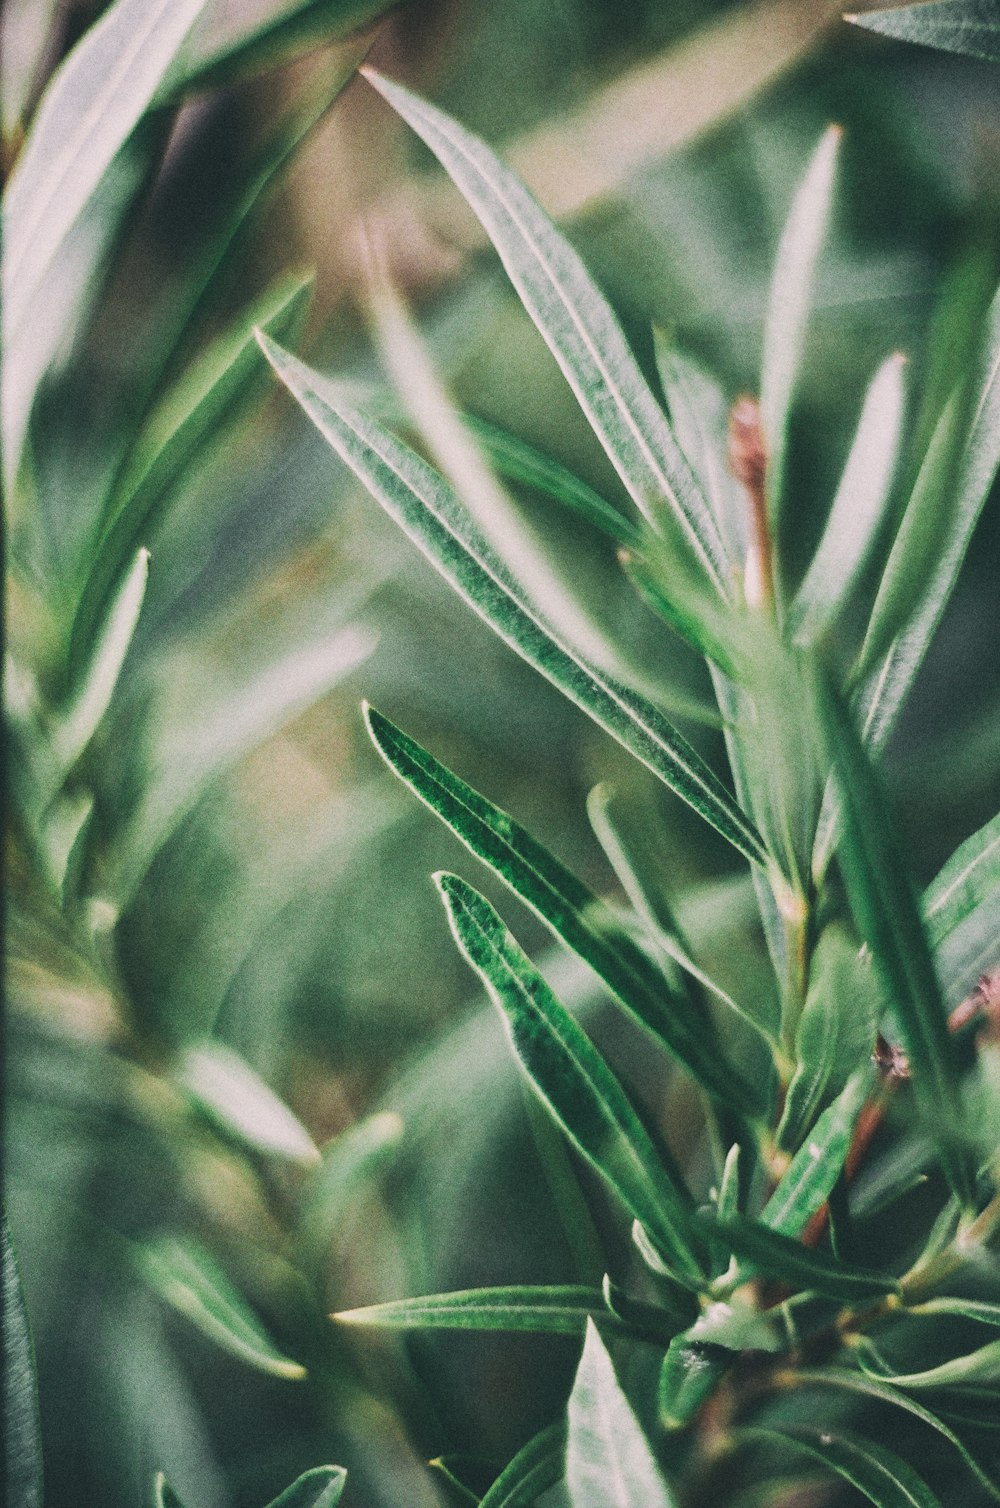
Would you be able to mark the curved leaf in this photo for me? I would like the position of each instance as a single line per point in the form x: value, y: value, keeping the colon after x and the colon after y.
x: 536, y: 1467
x: 262, y: 40
x: 608, y: 1461
x: 816, y: 1166
x: 877, y: 1473
x: 576, y: 323
x: 572, y: 1079
x: 778, y: 1256
x: 428, y: 511
x: 322, y: 1487
x: 551, y: 1311
x: 238, y: 1098
x: 970, y: 1370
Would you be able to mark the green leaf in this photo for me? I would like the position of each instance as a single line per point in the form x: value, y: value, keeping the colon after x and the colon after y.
x: 608, y: 1461
x: 521, y: 462
x: 881, y: 1392
x: 690, y: 1373
x: 836, y: 1031
x: 887, y: 912
x: 951, y: 490
x: 322, y: 1487
x: 80, y: 721
x: 428, y: 511
x: 237, y: 1097
x: 192, y: 413
x: 164, y: 1495
x: 788, y: 310
x: 258, y: 41
x: 778, y: 1256
x: 550, y: 1311
x: 90, y: 108
x: 857, y: 512
x: 974, y: 1368
x: 816, y: 1166
x: 572, y: 1079
x: 975, y: 1309
x: 21, y: 1426
x: 184, y: 1274
x: 448, y: 1467
x: 536, y: 1467
x: 970, y: 27
x: 877, y: 1473
x: 962, y: 912
x: 569, y: 907
x: 577, y: 325
x: 348, y: 1164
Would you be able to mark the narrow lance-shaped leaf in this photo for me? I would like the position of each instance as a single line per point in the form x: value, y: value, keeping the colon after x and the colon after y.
x: 857, y: 510
x: 576, y: 323
x: 536, y: 1467
x: 22, y: 1464
x: 608, y: 1460
x: 877, y: 1473
x: 551, y: 1311
x: 239, y: 1100
x: 970, y: 27
x: 322, y: 1487
x: 569, y: 907
x: 572, y: 1079
x: 428, y: 511
x: 971, y: 1370
x: 189, y: 1278
x: 886, y: 909
x: 788, y: 308
x: 90, y: 108
x: 816, y: 1166
x: 263, y: 40
x: 779, y: 1256
x: 962, y: 913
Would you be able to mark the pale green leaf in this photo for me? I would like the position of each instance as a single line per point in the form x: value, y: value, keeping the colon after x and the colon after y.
x: 975, y: 1309
x: 79, y: 722
x: 22, y: 1466
x: 608, y: 1461
x: 876, y: 1472
x: 788, y: 309
x: 349, y: 1163
x: 971, y: 27
x: 572, y: 1079
x: 237, y: 1097
x: 426, y: 508
x: 962, y: 913
x: 186, y: 1275
x: 857, y: 511
x: 816, y: 1166
x: 536, y: 1467
x: 322, y: 1487
x: 91, y: 106
x: 971, y: 1370
x: 576, y: 323
x: 551, y: 1311
x: 570, y: 908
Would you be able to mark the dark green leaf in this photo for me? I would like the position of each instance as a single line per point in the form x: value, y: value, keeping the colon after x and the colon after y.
x: 551, y: 1311
x: 887, y: 913
x: 22, y: 1433
x: 572, y: 1079
x: 816, y: 1166
x: 690, y: 1373
x: 965, y: 26
x: 265, y: 40
x: 877, y: 1473
x: 164, y: 1495
x: 608, y: 1461
x: 426, y: 508
x: 572, y: 910
x: 780, y: 1257
x: 536, y: 1467
x: 322, y: 1487
x: 577, y: 324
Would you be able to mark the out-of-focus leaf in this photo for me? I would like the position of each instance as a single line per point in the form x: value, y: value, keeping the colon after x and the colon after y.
x: 881, y: 1392
x: 322, y: 1487
x: 971, y: 1370
x: 877, y: 1473
x: 21, y: 1427
x: 425, y: 507
x: 836, y: 1030
x: 959, y: 468
x: 970, y: 27
x: 572, y: 1079
x: 91, y: 106
x: 521, y: 462
x: 536, y: 1467
x: 857, y: 511
x: 237, y: 1097
x: 779, y: 1256
x: 228, y: 52
x: 191, y: 414
x: 569, y: 907
x: 164, y: 1495
x: 184, y: 1274
x: 551, y: 1311
x: 962, y: 913
x: 608, y: 1460
x: 887, y: 911
x: 92, y: 698
x: 348, y: 1162
x: 976, y: 1309
x: 816, y: 1166
x: 576, y: 323
x: 788, y: 309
